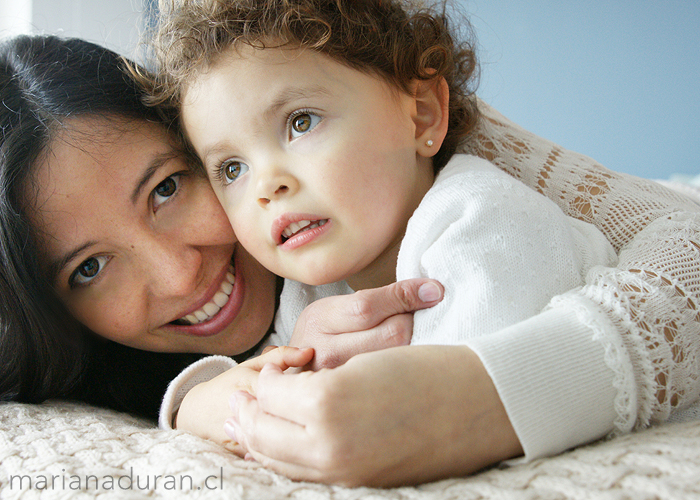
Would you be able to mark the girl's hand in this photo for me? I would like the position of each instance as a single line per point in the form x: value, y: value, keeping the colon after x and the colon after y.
x: 205, y: 407
x: 369, y: 320
x: 398, y: 416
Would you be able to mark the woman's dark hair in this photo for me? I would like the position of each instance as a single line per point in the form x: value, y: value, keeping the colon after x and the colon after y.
x: 44, y: 352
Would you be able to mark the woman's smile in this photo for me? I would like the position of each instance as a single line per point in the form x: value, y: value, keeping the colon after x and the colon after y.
x: 222, y: 303
x: 211, y: 308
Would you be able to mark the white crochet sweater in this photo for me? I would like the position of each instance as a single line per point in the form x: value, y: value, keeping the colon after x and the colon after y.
x: 639, y: 321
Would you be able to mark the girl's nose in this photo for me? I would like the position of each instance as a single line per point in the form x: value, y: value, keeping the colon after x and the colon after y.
x: 276, y: 185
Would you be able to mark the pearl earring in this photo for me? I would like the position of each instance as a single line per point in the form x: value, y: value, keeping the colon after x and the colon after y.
x: 429, y: 143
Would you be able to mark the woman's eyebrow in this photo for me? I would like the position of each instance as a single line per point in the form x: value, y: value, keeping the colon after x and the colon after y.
x: 56, y: 266
x: 156, y: 163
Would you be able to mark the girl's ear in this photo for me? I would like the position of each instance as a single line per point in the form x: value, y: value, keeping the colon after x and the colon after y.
x: 431, y: 117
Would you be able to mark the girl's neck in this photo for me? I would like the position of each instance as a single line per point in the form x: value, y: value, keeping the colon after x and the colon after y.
x: 380, y: 272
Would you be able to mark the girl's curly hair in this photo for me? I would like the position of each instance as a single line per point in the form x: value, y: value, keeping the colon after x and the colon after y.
x: 393, y: 39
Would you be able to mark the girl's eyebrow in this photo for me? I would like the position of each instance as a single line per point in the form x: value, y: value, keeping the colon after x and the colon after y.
x: 289, y: 94
x: 281, y: 99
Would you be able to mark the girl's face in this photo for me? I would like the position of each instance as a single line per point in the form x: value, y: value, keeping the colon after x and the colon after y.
x: 316, y: 164
x: 138, y: 247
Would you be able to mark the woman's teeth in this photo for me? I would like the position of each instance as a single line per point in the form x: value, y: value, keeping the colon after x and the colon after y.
x: 302, y: 225
x: 210, y: 309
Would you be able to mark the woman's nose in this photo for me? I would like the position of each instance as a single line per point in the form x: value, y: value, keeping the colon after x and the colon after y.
x: 173, y: 269
x: 274, y: 185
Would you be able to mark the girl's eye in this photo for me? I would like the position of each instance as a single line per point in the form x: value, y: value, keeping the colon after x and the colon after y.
x: 231, y: 170
x: 88, y: 270
x: 302, y: 123
x: 165, y: 190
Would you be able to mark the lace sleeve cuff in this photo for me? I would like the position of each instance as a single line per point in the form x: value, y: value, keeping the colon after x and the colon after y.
x: 201, y: 371
x: 551, y: 374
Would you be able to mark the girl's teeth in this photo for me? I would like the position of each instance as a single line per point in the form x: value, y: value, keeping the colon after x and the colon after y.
x: 295, y: 227
x: 218, y: 301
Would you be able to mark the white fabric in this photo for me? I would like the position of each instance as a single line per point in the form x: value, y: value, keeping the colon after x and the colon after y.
x: 652, y: 297
x: 73, y: 451
x: 642, y: 315
x: 502, y: 252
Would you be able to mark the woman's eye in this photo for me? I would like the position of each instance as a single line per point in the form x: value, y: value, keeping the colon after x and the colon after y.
x: 232, y: 170
x: 165, y: 190
x: 302, y: 123
x: 88, y: 270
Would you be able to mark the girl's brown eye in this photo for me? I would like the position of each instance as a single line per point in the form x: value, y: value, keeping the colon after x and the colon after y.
x: 233, y: 170
x: 302, y: 123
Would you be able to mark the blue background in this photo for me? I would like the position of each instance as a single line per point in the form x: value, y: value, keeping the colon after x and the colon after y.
x: 615, y: 80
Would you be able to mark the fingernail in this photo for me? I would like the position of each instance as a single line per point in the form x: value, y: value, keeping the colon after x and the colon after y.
x: 249, y: 457
x: 230, y: 430
x: 429, y: 292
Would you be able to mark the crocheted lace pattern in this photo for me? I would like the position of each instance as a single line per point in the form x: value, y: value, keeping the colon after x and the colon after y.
x: 653, y: 296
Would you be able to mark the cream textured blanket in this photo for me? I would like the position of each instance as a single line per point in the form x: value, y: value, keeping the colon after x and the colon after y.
x: 65, y: 450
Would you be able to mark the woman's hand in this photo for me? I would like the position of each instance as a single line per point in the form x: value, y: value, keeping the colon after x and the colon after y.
x: 397, y: 416
x: 205, y: 407
x: 369, y: 320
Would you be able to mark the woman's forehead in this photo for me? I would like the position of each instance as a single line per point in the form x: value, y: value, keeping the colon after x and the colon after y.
x: 88, y: 174
x: 89, y: 150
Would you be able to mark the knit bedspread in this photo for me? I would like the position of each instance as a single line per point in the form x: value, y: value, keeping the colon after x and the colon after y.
x: 66, y: 450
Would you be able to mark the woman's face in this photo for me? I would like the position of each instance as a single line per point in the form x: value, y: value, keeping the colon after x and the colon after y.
x: 138, y: 247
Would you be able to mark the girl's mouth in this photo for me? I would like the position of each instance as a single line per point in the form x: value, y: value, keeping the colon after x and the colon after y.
x: 211, y: 308
x: 296, y: 228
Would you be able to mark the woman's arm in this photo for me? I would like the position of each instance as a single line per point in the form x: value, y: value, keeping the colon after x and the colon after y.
x: 391, y: 417
x: 652, y: 297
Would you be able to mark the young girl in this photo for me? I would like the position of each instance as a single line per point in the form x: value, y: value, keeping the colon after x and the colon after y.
x: 324, y: 146
x: 322, y: 126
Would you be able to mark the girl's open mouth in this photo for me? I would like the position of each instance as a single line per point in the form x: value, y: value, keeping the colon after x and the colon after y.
x: 296, y: 228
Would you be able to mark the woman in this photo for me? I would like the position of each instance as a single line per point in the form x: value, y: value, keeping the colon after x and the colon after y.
x: 437, y: 422
x: 92, y: 179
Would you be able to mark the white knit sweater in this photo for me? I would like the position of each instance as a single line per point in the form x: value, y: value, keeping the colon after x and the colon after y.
x: 638, y: 322
x: 502, y: 251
